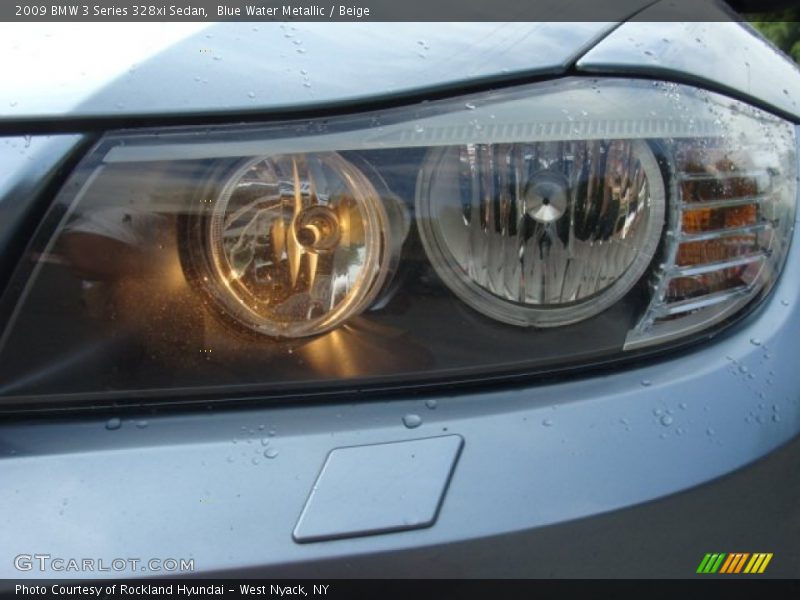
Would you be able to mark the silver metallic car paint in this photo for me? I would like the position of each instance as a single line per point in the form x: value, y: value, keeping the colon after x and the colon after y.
x: 724, y: 55
x: 181, y: 69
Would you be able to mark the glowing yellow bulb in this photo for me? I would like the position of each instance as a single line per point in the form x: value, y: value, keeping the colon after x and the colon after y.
x: 296, y: 244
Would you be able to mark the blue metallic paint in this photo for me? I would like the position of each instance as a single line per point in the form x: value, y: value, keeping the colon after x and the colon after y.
x: 533, y: 456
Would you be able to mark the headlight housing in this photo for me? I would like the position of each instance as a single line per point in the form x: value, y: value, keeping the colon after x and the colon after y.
x: 520, y: 231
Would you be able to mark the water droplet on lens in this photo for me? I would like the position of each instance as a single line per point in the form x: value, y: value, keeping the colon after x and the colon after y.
x: 547, y: 422
x: 264, y: 441
x: 666, y: 420
x: 431, y: 404
x: 743, y: 369
x: 646, y: 382
x: 141, y: 424
x: 755, y: 341
x: 113, y: 424
x: 776, y: 418
x: 251, y: 94
x: 271, y: 453
x: 271, y: 433
x: 254, y: 460
x: 469, y: 106
x: 710, y: 431
x: 411, y: 421
x: 683, y: 406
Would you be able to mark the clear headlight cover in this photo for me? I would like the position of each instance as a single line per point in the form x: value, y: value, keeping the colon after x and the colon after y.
x: 521, y: 231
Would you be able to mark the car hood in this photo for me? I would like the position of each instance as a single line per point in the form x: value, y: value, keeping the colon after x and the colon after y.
x: 84, y: 70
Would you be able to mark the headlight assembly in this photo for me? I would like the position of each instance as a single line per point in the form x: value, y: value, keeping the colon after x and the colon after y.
x: 520, y: 231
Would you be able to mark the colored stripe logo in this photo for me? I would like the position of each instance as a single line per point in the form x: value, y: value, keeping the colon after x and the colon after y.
x: 736, y: 562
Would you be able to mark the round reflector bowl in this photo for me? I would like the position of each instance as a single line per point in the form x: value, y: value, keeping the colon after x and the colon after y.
x: 541, y: 234
x: 291, y: 245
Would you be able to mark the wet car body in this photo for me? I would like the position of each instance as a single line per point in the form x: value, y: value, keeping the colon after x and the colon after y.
x: 571, y: 475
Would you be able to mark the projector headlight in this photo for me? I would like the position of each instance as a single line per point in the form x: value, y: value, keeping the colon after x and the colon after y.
x: 514, y: 232
x: 541, y: 234
x: 289, y: 246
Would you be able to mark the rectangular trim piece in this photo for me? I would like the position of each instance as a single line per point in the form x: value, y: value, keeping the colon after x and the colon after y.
x: 379, y: 488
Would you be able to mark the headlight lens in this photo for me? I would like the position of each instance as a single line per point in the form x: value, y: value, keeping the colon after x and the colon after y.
x: 290, y: 246
x: 541, y: 234
x: 521, y: 231
x: 733, y: 216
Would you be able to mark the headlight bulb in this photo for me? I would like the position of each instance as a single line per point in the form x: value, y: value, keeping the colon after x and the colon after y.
x: 291, y: 245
